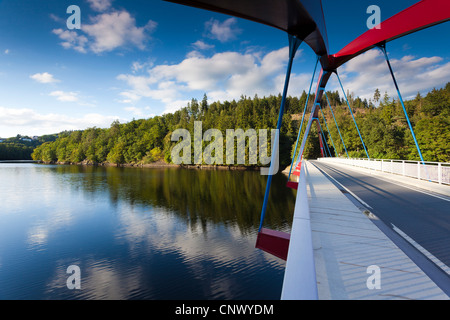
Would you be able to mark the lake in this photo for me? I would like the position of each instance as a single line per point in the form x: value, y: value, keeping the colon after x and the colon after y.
x: 138, y: 233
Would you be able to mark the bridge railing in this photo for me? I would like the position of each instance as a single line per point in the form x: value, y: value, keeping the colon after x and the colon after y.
x: 438, y: 172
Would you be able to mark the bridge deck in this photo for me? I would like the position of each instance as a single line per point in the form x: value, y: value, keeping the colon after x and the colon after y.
x: 346, y: 242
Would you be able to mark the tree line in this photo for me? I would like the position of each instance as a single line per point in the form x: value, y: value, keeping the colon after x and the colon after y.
x: 384, y: 129
x: 21, y: 147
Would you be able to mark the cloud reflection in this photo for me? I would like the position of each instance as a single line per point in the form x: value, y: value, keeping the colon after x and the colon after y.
x: 52, y: 222
x: 214, y: 257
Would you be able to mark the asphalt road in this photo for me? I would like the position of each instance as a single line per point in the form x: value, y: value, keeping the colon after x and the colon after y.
x: 420, y: 218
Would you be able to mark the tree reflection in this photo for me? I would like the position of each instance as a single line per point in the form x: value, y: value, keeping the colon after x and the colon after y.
x: 196, y: 196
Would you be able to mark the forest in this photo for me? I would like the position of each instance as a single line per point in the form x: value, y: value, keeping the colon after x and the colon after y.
x: 21, y: 147
x: 384, y: 129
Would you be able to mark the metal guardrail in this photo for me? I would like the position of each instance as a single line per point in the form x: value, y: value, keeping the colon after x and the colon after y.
x: 438, y: 172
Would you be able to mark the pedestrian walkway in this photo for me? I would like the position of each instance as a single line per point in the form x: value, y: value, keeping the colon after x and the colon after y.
x: 354, y: 259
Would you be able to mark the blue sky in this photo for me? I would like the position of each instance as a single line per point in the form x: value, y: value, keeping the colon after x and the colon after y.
x: 141, y: 58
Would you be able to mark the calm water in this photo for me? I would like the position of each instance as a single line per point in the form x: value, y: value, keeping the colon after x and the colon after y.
x: 137, y: 233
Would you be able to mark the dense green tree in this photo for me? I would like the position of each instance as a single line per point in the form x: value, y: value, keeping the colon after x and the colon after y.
x: 384, y: 129
x: 376, y: 95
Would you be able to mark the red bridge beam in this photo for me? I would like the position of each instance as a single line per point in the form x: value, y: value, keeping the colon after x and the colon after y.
x: 421, y: 15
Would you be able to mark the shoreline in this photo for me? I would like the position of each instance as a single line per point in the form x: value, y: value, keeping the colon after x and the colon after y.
x: 159, y: 164
x: 19, y: 161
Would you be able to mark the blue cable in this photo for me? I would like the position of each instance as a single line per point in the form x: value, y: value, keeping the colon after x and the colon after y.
x: 324, y: 140
x: 303, y: 117
x: 294, y: 43
x: 339, y: 131
x: 383, y: 48
x: 351, y: 112
x: 325, y: 121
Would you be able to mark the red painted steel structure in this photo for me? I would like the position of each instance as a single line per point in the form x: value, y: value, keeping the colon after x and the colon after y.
x: 423, y: 14
x: 304, y: 19
x: 274, y: 242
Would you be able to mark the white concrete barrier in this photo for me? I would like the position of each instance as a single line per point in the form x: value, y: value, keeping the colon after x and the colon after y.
x: 300, y: 274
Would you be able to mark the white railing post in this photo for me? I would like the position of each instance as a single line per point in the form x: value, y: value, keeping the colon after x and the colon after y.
x: 439, y: 173
x: 418, y: 170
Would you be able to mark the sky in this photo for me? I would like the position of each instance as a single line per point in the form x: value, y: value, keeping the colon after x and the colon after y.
x: 136, y: 59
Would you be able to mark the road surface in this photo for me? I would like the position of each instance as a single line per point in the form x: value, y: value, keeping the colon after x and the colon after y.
x: 420, y: 218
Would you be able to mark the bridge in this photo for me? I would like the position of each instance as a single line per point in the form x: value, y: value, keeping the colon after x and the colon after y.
x: 355, y: 234
x: 357, y: 219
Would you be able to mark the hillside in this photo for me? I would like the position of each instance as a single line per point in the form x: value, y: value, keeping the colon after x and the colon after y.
x: 21, y: 147
x: 384, y: 129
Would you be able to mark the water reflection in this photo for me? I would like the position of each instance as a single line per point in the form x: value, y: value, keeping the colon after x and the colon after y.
x: 195, y: 195
x: 138, y: 233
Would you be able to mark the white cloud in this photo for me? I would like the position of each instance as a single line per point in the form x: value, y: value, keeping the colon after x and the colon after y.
x: 100, y: 5
x: 200, y: 73
x: 72, y: 40
x: 44, y: 77
x: 140, y: 112
x: 6, y: 51
x: 195, y: 54
x: 55, y: 18
x: 222, y: 31
x: 129, y: 97
x: 116, y: 29
x: 29, y: 122
x: 65, y: 96
x: 201, y: 45
x: 106, y: 31
x: 369, y: 71
x: 228, y: 75
x: 223, y: 76
x: 172, y: 106
x: 137, y: 66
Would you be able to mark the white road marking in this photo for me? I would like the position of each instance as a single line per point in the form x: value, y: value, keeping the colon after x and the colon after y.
x: 418, y: 190
x: 424, y: 251
x: 346, y: 189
